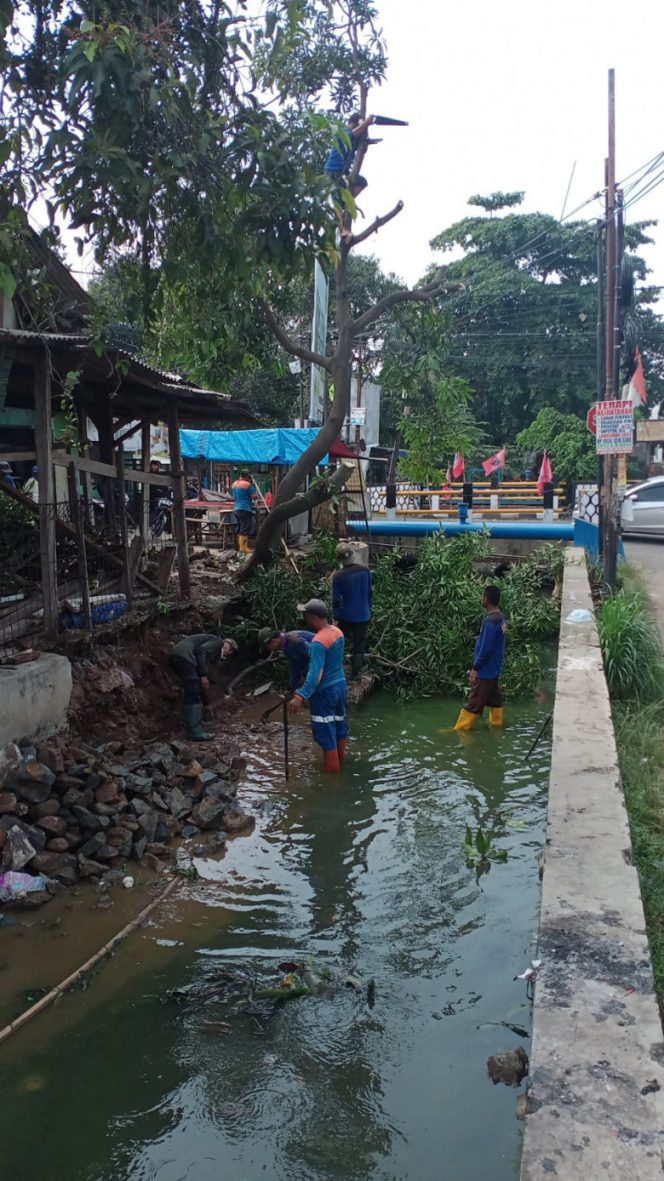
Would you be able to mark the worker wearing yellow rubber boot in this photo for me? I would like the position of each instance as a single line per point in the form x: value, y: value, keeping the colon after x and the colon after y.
x: 487, y: 666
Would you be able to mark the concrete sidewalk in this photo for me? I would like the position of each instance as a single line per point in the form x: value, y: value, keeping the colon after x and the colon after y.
x: 595, y: 1105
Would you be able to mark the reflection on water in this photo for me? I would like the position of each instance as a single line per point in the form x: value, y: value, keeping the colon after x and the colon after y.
x: 363, y: 874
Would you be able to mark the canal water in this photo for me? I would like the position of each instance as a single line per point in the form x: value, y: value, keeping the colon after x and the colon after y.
x: 362, y: 875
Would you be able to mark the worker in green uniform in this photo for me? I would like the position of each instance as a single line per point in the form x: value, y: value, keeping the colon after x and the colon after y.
x: 189, y: 660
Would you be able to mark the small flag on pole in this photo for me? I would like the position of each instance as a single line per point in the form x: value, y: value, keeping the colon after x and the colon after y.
x: 545, y: 476
x: 495, y: 464
x: 636, y: 390
x: 458, y: 466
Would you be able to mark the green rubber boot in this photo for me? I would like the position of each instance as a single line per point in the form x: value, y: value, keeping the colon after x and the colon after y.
x: 194, y: 721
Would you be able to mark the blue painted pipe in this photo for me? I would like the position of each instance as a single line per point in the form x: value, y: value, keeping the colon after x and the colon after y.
x: 542, y: 530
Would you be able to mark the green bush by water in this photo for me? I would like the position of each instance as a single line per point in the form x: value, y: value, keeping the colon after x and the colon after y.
x: 426, y: 619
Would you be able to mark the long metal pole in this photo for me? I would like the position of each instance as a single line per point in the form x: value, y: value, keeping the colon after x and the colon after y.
x: 610, y: 541
x: 599, y: 366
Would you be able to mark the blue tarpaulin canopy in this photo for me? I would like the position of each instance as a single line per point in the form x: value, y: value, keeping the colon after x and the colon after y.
x: 282, y: 445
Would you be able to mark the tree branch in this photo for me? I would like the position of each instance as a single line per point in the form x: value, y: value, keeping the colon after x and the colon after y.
x: 375, y: 226
x: 286, y: 341
x: 417, y: 295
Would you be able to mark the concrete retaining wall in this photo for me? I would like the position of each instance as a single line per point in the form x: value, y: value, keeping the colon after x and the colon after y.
x: 34, y: 698
x: 595, y: 1110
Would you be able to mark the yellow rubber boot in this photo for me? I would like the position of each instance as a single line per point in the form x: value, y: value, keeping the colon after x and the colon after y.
x: 466, y: 720
x: 496, y: 716
x: 242, y: 539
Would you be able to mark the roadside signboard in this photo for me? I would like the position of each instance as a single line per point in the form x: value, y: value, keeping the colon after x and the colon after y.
x: 615, y: 428
x: 358, y: 415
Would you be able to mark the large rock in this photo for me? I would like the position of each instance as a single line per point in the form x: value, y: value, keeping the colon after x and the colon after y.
x: 107, y: 793
x: 91, y: 847
x: 57, y: 845
x: 208, y: 813
x: 8, y: 802
x: 55, y: 826
x: 149, y: 822
x: 50, y: 807
x: 89, y: 868
x: 32, y: 782
x: 61, y: 866
x: 36, y: 836
x: 177, y: 803
x: 235, y: 821
x: 17, y: 850
x: 91, y: 821
x: 10, y: 760
x: 509, y: 1068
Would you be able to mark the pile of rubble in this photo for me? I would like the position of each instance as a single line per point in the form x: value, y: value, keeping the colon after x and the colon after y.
x: 68, y: 813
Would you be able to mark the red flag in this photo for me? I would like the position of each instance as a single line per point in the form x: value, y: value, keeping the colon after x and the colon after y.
x: 495, y: 464
x: 458, y: 466
x: 637, y: 385
x: 545, y: 476
x: 448, y: 475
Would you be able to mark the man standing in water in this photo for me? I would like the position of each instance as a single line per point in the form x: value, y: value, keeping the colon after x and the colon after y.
x: 487, y: 666
x: 351, y: 603
x: 325, y: 685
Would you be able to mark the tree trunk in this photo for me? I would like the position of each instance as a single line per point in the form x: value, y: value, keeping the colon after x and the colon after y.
x: 287, y: 502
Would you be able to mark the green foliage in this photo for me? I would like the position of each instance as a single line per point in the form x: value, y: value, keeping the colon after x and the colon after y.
x: 631, y: 647
x: 568, y: 441
x: 523, y: 328
x: 495, y: 201
x: 640, y: 739
x: 479, y: 847
x: 427, y: 619
x: 188, y: 139
x: 436, y: 431
x: 17, y: 525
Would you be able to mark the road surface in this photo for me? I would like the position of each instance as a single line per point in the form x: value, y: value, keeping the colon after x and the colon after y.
x: 649, y: 555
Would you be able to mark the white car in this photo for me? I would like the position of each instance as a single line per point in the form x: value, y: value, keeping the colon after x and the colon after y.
x: 643, y: 507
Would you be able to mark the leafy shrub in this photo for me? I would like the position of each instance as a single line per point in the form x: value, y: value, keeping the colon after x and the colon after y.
x: 427, y: 620
x: 631, y: 647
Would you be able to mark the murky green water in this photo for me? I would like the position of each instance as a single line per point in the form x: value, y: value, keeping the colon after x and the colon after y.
x: 366, y: 874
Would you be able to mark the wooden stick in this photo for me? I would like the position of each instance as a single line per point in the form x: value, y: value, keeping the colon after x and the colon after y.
x: 71, y: 979
x: 80, y: 547
x: 289, y: 555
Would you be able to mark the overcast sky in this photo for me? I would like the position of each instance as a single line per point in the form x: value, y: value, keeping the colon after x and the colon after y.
x: 508, y: 96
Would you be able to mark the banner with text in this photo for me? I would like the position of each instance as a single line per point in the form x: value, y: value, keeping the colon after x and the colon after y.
x: 615, y: 428
x: 318, y: 345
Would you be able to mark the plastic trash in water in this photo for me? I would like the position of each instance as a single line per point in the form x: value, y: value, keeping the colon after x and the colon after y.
x: 15, y: 885
x: 128, y: 882
x: 579, y: 615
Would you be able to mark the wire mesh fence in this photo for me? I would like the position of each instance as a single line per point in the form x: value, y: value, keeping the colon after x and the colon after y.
x: 100, y: 566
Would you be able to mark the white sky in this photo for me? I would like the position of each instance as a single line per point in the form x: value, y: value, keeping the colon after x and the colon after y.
x: 507, y: 95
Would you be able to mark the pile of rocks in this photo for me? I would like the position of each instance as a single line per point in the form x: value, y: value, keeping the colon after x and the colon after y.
x: 73, y: 812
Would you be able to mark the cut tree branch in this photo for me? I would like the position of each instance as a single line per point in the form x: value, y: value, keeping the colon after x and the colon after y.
x: 287, y: 342
x: 417, y: 295
x: 376, y: 225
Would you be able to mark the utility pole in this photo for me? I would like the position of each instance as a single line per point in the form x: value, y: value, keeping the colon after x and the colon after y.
x: 609, y: 538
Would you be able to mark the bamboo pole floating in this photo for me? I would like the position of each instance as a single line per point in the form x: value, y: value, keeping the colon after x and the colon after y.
x: 62, y: 987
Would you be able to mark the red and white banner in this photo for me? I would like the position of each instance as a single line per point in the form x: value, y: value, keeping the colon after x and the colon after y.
x: 636, y: 391
x: 545, y: 476
x: 495, y: 464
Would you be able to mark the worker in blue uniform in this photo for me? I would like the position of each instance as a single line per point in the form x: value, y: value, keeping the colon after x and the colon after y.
x: 487, y: 665
x: 325, y: 687
x: 244, y: 493
x: 294, y: 645
x: 351, y: 603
